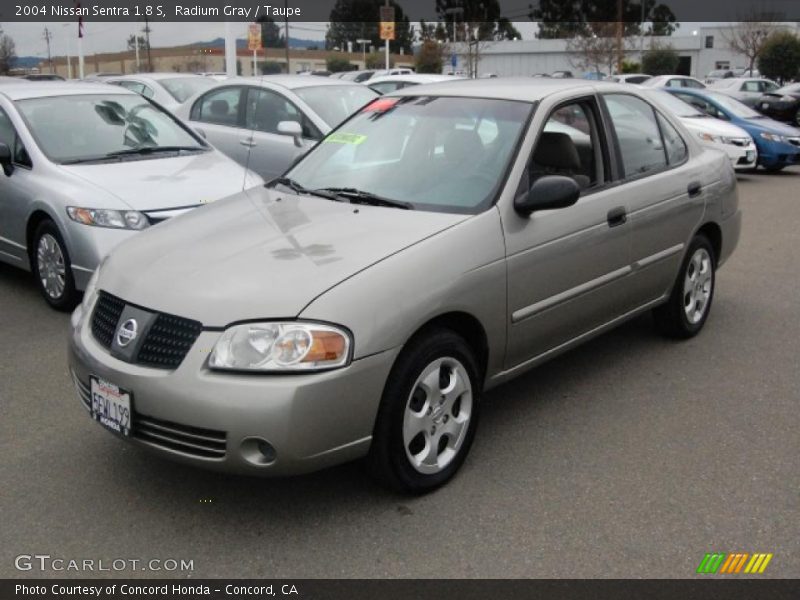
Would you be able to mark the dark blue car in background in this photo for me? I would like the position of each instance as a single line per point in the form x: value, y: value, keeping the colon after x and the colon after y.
x: 778, y: 143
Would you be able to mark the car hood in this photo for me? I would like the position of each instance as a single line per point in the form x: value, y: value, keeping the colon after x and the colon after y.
x: 714, y: 127
x: 770, y: 126
x: 258, y: 255
x: 165, y: 182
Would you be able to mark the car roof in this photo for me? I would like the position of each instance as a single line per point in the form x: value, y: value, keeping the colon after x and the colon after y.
x: 155, y: 76
x: 44, y: 89
x: 525, y: 89
x: 413, y: 77
x: 292, y: 82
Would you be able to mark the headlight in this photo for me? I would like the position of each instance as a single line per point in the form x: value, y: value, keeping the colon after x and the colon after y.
x: 773, y: 137
x: 281, y: 346
x: 707, y: 137
x: 103, y: 217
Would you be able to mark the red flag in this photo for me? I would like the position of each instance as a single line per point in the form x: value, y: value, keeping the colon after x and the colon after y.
x: 80, y: 20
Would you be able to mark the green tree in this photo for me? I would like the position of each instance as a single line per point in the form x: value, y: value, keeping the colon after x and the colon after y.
x: 337, y: 64
x: 780, y: 57
x: 430, y: 57
x: 481, y: 15
x: 271, y: 36
x: 377, y: 60
x: 142, y: 41
x: 8, y: 53
x: 629, y: 66
x: 351, y: 20
x: 567, y: 18
x: 660, y: 60
x: 271, y: 67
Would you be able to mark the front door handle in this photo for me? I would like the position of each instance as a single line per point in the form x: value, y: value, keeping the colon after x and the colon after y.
x: 249, y: 142
x: 694, y: 189
x: 617, y: 216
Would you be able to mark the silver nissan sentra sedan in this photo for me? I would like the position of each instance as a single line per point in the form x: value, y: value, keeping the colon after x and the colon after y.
x: 88, y: 165
x: 441, y: 241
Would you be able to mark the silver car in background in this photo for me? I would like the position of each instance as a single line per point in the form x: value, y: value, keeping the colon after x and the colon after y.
x: 86, y: 166
x: 444, y: 240
x: 746, y: 90
x: 170, y: 90
x: 266, y: 123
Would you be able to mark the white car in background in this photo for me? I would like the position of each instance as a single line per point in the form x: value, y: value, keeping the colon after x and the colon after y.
x: 674, y: 81
x: 631, y: 78
x: 170, y: 90
x: 386, y: 84
x: 714, y: 133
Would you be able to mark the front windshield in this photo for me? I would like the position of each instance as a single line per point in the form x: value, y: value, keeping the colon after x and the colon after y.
x: 93, y: 126
x: 183, y: 88
x: 334, y: 103
x: 678, y: 106
x: 733, y: 106
x: 437, y: 153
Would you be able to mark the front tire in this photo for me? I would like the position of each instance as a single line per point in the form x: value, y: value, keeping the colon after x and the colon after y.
x: 52, y: 268
x: 686, y: 311
x: 428, y: 414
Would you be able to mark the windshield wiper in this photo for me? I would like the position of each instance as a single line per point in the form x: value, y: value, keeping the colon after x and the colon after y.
x: 153, y: 150
x: 299, y: 189
x: 356, y: 196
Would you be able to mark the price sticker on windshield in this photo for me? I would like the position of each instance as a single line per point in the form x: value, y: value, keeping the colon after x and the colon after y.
x: 340, y: 137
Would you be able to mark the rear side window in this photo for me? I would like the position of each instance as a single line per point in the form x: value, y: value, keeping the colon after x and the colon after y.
x: 219, y: 107
x: 9, y: 137
x: 265, y: 109
x: 673, y: 142
x: 638, y: 134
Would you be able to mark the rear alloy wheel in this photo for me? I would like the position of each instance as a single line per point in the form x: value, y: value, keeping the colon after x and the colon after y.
x: 51, y: 266
x: 686, y: 311
x: 428, y: 414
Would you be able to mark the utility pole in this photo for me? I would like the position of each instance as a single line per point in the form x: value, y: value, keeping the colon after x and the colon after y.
x: 286, y: 34
x: 146, y: 31
x: 47, y: 37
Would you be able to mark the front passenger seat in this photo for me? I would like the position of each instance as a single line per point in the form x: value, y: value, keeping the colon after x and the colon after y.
x: 556, y: 154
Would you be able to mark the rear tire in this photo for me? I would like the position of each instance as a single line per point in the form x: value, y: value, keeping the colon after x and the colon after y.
x: 51, y: 266
x: 428, y: 414
x: 686, y: 311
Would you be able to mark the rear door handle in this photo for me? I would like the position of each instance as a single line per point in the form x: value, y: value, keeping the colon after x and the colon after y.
x: 694, y: 189
x: 617, y: 216
x: 249, y: 142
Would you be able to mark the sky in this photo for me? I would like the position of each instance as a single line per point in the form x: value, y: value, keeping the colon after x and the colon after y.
x: 112, y: 37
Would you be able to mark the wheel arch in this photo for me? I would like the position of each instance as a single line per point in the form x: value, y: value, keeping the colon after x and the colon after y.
x: 713, y: 232
x: 34, y: 220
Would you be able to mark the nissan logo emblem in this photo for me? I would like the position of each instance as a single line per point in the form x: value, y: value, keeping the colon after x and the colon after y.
x: 127, y: 332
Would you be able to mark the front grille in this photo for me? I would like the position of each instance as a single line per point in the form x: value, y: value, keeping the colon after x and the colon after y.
x: 196, y: 441
x: 167, y: 342
x: 107, y: 312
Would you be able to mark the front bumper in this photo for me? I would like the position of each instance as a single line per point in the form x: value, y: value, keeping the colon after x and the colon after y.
x: 220, y: 420
x: 779, y: 154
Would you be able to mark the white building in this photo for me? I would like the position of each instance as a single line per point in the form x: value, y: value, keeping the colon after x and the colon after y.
x: 700, y: 50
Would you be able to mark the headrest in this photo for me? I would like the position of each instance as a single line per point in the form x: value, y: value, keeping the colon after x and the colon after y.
x: 557, y: 150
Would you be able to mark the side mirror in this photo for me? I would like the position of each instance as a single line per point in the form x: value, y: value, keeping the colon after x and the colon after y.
x: 5, y: 159
x: 548, y: 192
x: 293, y: 129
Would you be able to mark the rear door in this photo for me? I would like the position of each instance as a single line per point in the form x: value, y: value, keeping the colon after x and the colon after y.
x: 219, y: 114
x: 662, y: 188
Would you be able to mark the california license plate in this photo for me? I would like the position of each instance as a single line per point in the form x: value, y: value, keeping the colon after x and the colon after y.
x: 111, y: 406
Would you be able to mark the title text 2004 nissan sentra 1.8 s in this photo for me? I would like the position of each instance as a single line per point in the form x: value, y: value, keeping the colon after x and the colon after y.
x: 441, y: 241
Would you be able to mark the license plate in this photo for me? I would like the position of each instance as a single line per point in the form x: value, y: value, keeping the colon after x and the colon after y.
x: 750, y: 155
x: 764, y: 105
x: 111, y: 406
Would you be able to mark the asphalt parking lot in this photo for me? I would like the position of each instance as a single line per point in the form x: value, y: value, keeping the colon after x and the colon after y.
x: 632, y: 456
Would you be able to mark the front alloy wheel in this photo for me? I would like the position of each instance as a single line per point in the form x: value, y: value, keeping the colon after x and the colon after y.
x: 428, y: 414
x: 52, y: 268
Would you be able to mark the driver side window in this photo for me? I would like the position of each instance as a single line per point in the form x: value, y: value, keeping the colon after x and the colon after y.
x: 8, y: 136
